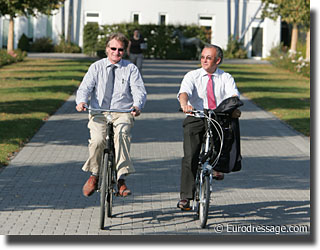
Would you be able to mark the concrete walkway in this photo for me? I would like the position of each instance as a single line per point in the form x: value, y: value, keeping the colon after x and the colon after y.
x: 41, y: 190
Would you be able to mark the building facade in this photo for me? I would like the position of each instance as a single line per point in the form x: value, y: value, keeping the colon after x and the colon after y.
x: 221, y: 18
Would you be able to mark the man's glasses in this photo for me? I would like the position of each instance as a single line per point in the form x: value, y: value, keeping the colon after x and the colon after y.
x: 119, y: 49
x: 209, y: 58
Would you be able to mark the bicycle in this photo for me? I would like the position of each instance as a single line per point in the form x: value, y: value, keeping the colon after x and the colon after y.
x: 107, y: 173
x: 208, y: 158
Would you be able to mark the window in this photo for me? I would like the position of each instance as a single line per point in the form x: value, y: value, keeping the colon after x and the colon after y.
x: 205, y: 17
x: 92, y: 14
x: 162, y: 20
x: 92, y: 17
x: 136, y: 18
x: 5, y: 31
x: 49, y: 26
x: 30, y: 27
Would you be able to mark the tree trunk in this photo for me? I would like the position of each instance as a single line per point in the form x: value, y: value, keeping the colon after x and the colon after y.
x: 294, y: 38
x: 10, y: 35
x: 308, y: 46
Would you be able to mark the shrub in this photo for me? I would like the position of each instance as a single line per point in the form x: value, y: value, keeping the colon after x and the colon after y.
x: 280, y: 56
x: 235, y: 49
x: 43, y: 44
x: 66, y: 47
x: 23, y: 43
x: 12, y: 57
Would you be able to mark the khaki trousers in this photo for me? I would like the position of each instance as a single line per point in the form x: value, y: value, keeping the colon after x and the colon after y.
x: 122, y: 124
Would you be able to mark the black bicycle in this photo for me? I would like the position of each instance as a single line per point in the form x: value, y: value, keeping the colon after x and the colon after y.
x: 221, y: 137
x: 108, y: 175
x: 209, y: 157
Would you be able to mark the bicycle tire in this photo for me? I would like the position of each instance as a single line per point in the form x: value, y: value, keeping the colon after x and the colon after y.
x: 110, y: 193
x: 204, y: 201
x: 103, y: 189
x: 196, y: 196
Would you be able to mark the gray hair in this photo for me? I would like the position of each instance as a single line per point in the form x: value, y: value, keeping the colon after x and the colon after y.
x: 218, y: 49
x: 118, y: 36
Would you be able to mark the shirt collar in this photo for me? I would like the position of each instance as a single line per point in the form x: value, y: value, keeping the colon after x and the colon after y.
x: 205, y: 73
x: 118, y: 64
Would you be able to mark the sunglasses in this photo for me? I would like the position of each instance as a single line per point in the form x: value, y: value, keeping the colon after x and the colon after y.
x: 119, y: 49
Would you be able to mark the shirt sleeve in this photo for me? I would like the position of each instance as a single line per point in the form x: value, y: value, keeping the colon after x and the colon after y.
x: 230, y: 86
x: 138, y: 91
x: 87, y: 85
x: 187, y: 85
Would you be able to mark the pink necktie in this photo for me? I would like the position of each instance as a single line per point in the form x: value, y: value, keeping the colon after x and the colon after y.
x: 210, y: 94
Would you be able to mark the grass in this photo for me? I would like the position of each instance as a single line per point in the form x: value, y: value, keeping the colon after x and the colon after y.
x: 30, y: 92
x: 285, y: 94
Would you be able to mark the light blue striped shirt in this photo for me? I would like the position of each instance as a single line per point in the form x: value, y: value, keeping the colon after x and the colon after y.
x: 128, y: 88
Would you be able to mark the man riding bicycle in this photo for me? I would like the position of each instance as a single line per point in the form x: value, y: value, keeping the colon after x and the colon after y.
x: 203, y: 88
x: 111, y: 83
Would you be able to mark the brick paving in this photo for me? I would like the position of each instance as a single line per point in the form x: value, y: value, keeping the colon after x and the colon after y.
x: 41, y: 189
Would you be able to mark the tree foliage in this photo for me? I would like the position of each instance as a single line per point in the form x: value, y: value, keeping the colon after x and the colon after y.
x: 15, y: 8
x: 291, y: 11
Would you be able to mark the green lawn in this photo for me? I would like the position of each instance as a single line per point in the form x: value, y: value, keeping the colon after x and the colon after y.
x: 32, y: 90
x: 285, y: 94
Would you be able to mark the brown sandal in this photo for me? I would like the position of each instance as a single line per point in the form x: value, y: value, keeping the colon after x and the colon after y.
x: 123, y: 189
x: 184, y: 204
x: 218, y: 176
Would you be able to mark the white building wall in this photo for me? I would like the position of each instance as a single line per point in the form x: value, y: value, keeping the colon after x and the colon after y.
x: 178, y: 12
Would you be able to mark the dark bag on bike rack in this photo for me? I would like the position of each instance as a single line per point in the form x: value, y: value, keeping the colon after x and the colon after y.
x: 230, y: 158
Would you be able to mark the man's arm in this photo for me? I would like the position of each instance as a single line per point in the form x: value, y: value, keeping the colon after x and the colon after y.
x: 183, y: 99
x: 85, y: 90
x: 138, y: 91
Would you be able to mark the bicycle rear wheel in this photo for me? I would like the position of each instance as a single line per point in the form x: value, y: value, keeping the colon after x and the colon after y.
x: 103, y: 189
x: 204, y: 201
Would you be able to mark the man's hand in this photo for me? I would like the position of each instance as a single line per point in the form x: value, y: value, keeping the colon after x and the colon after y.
x: 136, y: 111
x: 236, y: 113
x: 186, y: 108
x: 80, y: 107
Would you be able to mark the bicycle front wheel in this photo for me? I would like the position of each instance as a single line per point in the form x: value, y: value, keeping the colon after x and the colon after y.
x: 204, y: 201
x: 111, y: 182
x: 103, y: 189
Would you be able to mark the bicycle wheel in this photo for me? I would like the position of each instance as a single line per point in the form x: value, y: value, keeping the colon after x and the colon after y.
x: 204, y: 201
x: 110, y: 187
x: 196, y: 196
x: 103, y: 189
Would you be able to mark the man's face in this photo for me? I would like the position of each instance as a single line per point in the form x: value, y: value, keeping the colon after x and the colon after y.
x: 115, y: 51
x: 208, y: 60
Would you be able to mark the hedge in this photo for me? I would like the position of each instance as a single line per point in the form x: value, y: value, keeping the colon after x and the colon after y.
x: 161, y: 43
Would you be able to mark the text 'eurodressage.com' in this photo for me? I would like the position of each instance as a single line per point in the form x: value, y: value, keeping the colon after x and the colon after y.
x: 274, y: 229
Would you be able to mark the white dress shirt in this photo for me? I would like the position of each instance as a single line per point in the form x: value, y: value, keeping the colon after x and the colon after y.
x: 195, y: 83
x: 128, y: 88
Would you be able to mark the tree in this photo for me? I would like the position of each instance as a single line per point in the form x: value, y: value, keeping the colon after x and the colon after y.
x: 15, y: 8
x: 295, y: 12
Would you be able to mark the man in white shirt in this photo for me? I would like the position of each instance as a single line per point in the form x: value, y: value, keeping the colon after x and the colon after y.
x: 203, y: 88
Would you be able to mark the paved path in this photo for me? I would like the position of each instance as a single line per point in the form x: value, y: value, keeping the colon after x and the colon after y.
x: 40, y: 191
